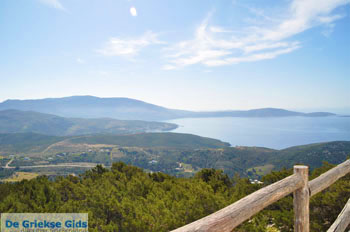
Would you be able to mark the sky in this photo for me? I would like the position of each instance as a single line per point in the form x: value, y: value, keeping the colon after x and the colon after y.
x: 183, y: 54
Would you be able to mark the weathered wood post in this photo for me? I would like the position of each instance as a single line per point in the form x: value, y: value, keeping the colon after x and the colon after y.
x: 301, y: 201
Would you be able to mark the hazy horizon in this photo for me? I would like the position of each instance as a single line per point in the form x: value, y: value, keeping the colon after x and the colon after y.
x: 304, y: 110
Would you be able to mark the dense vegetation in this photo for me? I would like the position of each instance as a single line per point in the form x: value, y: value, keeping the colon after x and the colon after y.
x: 6, y: 172
x: 25, y: 142
x: 314, y: 154
x: 15, y: 121
x: 125, y: 198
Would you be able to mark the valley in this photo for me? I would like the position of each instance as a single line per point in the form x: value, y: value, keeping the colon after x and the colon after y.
x: 176, y: 154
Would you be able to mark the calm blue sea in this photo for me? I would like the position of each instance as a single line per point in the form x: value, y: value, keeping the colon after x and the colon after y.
x: 275, y: 133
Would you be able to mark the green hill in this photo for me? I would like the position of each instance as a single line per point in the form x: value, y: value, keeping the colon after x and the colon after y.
x: 15, y: 121
x: 244, y: 159
x: 165, y: 140
x: 31, y: 142
x: 26, y: 142
x: 313, y: 154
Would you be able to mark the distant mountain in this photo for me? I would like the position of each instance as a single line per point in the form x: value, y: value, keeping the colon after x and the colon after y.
x: 130, y: 109
x: 265, y: 112
x: 94, y: 107
x: 319, y: 114
x: 15, y: 121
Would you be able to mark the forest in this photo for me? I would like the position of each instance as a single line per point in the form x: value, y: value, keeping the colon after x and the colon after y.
x: 126, y: 198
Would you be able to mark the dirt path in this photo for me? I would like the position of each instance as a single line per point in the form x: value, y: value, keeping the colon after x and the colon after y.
x: 68, y: 165
x: 8, y: 163
x: 60, y: 143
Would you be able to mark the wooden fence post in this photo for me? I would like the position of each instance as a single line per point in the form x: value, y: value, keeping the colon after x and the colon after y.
x: 301, y: 201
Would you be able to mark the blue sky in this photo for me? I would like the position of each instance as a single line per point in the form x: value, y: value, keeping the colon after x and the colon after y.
x: 197, y: 54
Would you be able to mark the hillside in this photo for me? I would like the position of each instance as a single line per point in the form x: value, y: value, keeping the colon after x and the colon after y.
x: 131, y: 109
x: 313, y: 154
x: 244, y: 159
x: 172, y: 153
x: 25, y: 142
x: 148, y: 140
x: 15, y: 121
x: 31, y: 142
x: 255, y: 161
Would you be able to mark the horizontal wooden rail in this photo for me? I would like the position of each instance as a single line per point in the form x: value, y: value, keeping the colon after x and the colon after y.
x: 342, y: 221
x: 233, y: 215
x: 228, y: 218
x: 328, y: 178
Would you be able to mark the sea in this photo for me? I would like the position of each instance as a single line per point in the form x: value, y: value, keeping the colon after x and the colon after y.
x: 276, y: 133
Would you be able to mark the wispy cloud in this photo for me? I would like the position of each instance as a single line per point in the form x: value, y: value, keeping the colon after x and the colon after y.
x: 103, y: 73
x: 80, y: 61
x: 53, y: 3
x: 129, y: 47
x: 214, y: 45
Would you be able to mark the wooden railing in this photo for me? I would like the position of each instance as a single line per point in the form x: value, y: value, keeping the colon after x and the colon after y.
x: 228, y: 218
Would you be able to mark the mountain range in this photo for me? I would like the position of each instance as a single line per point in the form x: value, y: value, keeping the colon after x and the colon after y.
x: 131, y: 109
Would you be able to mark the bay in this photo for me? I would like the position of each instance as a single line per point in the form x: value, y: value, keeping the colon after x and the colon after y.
x: 277, y: 133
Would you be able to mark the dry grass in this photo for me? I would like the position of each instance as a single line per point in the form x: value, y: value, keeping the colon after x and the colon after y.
x: 18, y: 176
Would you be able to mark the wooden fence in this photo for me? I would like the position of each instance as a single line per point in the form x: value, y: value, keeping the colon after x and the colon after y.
x: 228, y: 218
